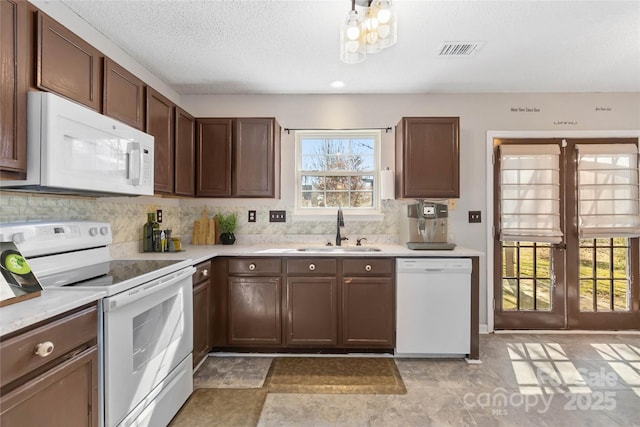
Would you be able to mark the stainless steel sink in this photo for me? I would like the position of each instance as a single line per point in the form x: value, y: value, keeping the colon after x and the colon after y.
x: 338, y: 249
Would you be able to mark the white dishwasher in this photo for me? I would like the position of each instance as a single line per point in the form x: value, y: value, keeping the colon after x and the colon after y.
x: 433, y: 307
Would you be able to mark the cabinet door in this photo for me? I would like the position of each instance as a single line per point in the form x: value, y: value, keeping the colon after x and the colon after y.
x: 160, y: 124
x: 201, y: 316
x: 68, y: 65
x: 66, y: 395
x: 427, y: 157
x: 185, y: 153
x: 256, y: 167
x: 213, y: 157
x: 124, y: 97
x: 368, y: 312
x: 254, y: 311
x: 14, y: 53
x: 312, y: 311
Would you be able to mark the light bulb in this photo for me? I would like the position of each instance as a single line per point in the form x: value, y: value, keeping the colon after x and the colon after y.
x: 384, y: 15
x: 371, y: 23
x: 353, y: 32
x: 372, y: 37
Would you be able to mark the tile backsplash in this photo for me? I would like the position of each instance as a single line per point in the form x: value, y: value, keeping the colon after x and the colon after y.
x: 127, y: 215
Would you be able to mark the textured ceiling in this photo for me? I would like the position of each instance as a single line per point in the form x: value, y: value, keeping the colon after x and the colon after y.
x: 291, y: 46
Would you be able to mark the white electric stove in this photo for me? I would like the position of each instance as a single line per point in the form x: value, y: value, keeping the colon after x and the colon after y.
x: 146, y: 328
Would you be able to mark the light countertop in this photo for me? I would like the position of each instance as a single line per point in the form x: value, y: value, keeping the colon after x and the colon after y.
x: 199, y: 253
x: 50, y: 303
x: 53, y: 302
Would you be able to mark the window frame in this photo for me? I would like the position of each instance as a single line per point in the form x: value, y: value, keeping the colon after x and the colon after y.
x: 376, y: 134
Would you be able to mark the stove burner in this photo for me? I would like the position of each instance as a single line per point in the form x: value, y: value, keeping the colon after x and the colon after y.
x: 117, y: 271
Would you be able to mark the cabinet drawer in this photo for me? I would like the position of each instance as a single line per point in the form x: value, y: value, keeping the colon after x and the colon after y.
x: 255, y: 266
x: 367, y: 266
x: 315, y: 266
x: 17, y: 354
x: 203, y: 272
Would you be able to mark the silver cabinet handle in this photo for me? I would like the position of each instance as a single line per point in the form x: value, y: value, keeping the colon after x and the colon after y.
x: 367, y: 267
x: 43, y: 349
x: 312, y: 267
x: 205, y: 272
x: 252, y: 266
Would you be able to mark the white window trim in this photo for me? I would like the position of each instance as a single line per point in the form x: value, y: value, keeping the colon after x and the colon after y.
x: 326, y: 214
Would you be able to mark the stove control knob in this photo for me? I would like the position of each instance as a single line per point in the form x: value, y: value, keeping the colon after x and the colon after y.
x: 93, y: 231
x: 104, y: 230
x: 43, y: 349
x: 18, y: 237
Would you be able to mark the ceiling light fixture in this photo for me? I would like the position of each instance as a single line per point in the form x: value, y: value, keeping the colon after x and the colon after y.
x: 371, y: 31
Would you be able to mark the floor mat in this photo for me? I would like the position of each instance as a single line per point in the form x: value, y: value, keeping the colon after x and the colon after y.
x: 353, y: 375
x: 210, y: 407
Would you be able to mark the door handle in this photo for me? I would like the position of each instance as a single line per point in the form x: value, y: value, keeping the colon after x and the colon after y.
x: 134, y: 163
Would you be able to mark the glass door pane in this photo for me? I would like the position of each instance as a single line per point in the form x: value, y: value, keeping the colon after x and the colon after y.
x: 526, y: 276
x: 605, y: 285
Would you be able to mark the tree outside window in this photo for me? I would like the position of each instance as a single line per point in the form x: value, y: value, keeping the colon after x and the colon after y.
x: 337, y: 168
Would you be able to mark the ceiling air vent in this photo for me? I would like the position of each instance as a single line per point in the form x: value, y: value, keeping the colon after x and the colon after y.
x: 459, y: 49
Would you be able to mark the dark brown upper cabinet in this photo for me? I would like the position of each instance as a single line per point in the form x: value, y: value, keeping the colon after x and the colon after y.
x: 213, y: 157
x: 428, y: 157
x: 185, y: 153
x: 238, y: 157
x: 14, y: 60
x: 124, y: 97
x: 160, y: 124
x: 67, y: 65
x: 256, y: 158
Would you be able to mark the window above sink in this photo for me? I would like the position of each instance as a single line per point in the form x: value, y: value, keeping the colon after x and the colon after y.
x: 337, y: 168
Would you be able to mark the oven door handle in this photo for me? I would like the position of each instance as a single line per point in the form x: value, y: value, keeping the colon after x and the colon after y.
x: 118, y: 301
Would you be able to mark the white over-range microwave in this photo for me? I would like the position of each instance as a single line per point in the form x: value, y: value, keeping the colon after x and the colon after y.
x: 72, y: 149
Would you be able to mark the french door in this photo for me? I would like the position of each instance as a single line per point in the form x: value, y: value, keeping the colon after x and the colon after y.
x: 567, y: 282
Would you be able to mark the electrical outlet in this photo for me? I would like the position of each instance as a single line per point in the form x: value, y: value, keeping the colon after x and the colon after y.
x: 474, y: 216
x: 252, y: 216
x: 453, y: 203
x: 159, y: 216
x: 277, y: 216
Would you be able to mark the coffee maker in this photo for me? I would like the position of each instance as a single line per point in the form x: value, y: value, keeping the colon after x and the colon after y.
x: 426, y: 226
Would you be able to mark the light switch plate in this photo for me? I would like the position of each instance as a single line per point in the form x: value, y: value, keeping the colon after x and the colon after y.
x: 277, y: 216
x: 252, y: 216
x: 159, y: 216
x: 475, y: 216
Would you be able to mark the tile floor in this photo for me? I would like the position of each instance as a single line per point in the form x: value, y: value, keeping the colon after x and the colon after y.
x: 524, y: 380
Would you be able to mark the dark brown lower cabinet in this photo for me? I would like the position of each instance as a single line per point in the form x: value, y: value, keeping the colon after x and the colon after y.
x: 254, y: 311
x: 56, y: 388
x: 312, y: 311
x: 368, y: 312
x: 66, y: 395
x: 323, y: 303
x: 201, y: 312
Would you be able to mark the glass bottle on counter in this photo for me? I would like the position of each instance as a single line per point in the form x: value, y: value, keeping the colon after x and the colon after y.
x: 147, y: 232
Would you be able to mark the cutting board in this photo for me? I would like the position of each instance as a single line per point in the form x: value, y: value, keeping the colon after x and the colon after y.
x: 204, y: 230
